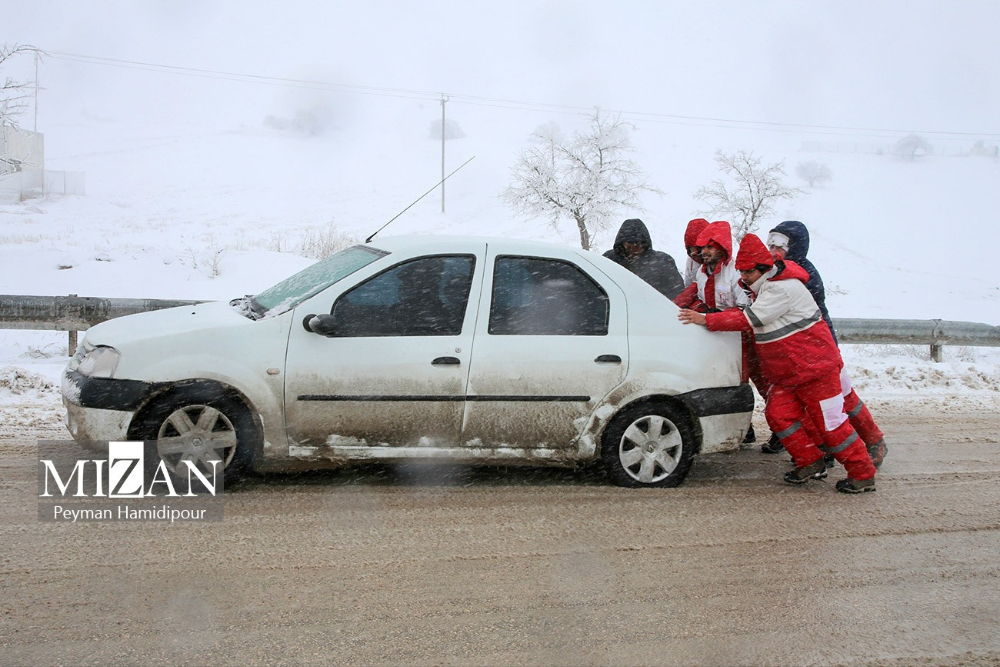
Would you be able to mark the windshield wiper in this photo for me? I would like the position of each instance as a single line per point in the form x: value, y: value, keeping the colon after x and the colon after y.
x: 248, y: 307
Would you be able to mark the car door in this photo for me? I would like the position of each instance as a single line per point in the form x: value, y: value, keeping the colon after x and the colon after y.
x: 394, y: 369
x: 551, y: 342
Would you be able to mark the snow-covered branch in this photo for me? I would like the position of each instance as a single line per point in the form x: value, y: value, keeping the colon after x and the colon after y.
x: 14, y: 95
x: 753, y: 193
x: 587, y: 177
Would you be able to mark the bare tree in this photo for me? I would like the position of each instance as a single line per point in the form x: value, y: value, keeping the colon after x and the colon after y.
x: 814, y: 173
x: 14, y: 95
x: 450, y: 129
x: 586, y: 177
x: 912, y: 146
x: 753, y: 191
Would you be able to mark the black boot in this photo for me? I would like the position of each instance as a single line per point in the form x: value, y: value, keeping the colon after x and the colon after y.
x: 750, y: 436
x: 849, y: 485
x: 772, y: 446
x: 877, y: 452
x: 815, y: 470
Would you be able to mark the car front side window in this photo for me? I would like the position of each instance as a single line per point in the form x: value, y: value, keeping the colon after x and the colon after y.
x: 423, y: 297
x: 545, y: 297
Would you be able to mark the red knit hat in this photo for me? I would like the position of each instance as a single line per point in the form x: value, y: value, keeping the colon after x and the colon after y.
x: 694, y: 228
x: 752, y: 252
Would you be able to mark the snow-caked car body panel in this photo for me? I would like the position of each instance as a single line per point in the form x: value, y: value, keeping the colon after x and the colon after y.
x: 425, y: 347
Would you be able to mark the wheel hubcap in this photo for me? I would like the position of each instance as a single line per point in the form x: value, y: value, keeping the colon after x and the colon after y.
x: 650, y: 449
x: 200, y: 434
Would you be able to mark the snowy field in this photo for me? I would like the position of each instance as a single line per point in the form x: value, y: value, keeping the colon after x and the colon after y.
x: 220, y: 207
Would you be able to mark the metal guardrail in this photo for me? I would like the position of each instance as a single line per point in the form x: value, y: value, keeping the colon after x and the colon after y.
x: 78, y: 313
x: 72, y: 313
x: 936, y: 333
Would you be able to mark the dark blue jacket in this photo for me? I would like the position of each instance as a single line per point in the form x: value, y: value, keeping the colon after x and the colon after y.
x: 798, y: 248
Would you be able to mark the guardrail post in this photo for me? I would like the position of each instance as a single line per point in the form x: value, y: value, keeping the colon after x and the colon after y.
x: 936, y: 346
x: 71, y: 346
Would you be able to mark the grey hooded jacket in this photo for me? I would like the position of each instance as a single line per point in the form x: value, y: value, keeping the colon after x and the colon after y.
x: 654, y: 266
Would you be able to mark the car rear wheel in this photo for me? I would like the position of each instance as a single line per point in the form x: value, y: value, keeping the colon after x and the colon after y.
x: 205, y: 427
x: 648, y: 445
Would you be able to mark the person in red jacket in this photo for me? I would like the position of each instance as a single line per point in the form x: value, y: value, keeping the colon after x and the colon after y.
x: 717, y: 287
x: 693, y: 250
x: 716, y: 282
x: 802, y: 363
x: 790, y: 241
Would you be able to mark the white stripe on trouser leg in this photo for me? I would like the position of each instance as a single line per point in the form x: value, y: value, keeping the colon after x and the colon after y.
x: 833, y: 412
x: 845, y: 382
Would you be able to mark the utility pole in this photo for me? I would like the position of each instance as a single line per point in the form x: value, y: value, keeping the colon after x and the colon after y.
x: 36, y: 91
x: 444, y: 99
x: 41, y: 165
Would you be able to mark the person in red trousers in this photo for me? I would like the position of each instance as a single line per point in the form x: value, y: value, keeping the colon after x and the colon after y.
x: 790, y: 241
x: 802, y: 363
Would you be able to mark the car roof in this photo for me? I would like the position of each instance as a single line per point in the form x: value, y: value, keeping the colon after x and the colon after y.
x: 409, y: 241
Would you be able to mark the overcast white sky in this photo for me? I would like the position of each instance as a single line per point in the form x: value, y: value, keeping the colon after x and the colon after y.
x: 900, y: 64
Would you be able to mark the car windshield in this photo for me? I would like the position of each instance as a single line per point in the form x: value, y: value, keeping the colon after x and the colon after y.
x: 311, y: 280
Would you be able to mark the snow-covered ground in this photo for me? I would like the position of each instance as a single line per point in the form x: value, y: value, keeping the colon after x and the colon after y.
x: 216, y: 208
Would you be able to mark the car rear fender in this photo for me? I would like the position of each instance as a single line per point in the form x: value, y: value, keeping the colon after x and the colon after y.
x: 696, y: 402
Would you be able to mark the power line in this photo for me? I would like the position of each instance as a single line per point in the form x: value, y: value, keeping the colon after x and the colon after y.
x: 500, y: 103
x: 693, y: 122
x: 235, y: 76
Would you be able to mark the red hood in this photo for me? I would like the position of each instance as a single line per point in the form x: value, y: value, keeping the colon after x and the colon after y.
x: 694, y: 229
x: 720, y: 232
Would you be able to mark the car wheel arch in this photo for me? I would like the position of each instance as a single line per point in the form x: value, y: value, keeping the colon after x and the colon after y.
x: 662, y: 457
x: 198, y: 389
x: 667, y: 400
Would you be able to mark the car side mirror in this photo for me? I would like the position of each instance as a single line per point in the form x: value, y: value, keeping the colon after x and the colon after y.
x: 320, y: 324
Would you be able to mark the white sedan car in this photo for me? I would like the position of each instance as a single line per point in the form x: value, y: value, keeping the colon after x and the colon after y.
x: 474, y: 350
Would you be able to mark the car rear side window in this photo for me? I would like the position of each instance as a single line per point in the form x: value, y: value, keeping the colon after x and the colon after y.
x: 545, y: 297
x: 423, y: 297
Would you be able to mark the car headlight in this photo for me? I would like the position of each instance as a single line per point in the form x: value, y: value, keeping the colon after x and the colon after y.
x: 100, y: 362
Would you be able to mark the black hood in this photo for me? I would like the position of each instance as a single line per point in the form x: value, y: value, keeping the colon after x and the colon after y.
x: 798, y: 239
x: 633, y: 230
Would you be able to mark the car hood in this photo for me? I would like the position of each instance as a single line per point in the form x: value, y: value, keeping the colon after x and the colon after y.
x: 166, y: 322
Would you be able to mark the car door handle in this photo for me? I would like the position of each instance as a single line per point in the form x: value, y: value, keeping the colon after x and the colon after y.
x: 608, y: 359
x: 446, y: 361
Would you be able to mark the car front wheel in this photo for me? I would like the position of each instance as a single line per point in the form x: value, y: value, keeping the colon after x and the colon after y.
x: 207, y: 428
x: 649, y: 445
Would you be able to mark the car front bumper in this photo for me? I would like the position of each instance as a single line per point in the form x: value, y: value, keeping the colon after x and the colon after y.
x: 99, y: 410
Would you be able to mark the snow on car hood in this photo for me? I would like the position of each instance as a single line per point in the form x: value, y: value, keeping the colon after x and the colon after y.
x: 166, y: 322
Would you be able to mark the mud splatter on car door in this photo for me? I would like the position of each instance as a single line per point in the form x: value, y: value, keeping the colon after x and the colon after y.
x: 553, y: 345
x: 392, y: 364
